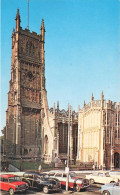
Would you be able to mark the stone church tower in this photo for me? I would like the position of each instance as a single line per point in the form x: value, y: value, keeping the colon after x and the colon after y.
x: 23, y: 131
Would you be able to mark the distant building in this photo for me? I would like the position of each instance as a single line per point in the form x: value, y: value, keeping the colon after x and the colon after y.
x: 99, y: 133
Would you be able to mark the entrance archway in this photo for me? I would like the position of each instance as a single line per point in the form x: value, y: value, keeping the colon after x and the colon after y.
x: 116, y: 160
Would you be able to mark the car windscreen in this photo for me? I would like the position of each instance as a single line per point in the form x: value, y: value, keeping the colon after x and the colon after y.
x: 41, y: 177
x: 13, y: 179
x: 73, y: 174
x: 107, y: 174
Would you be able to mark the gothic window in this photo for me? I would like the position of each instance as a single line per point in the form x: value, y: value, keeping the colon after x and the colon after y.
x: 15, y: 95
x: 25, y: 151
x: 33, y: 49
x: 75, y: 137
x: 46, y: 144
x: 63, y: 134
x: 119, y: 133
x: 14, y: 74
x: 115, y: 133
x: 34, y: 96
x: 108, y: 133
x: 37, y: 97
x: 27, y: 47
x: 107, y: 118
x: 30, y: 48
x: 116, y: 120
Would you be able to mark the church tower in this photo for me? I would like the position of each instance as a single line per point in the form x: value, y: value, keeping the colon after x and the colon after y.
x: 23, y: 132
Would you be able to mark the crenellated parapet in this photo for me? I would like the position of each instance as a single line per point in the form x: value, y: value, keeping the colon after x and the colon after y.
x: 99, y: 104
x: 64, y: 114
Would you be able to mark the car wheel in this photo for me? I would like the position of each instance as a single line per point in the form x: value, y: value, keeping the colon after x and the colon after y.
x: 92, y: 181
x: 77, y: 188
x: 106, y: 192
x: 11, y: 191
x: 45, y: 189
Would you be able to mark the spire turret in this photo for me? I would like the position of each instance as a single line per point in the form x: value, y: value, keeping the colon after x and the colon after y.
x: 13, y: 38
x: 102, y: 99
x: 18, y: 20
x: 92, y: 97
x: 54, y: 108
x: 58, y: 106
x: 13, y: 32
x: 43, y: 30
x: 84, y: 104
x: 102, y: 96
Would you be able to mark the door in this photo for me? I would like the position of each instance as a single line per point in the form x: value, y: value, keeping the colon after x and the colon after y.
x: 116, y: 160
x: 116, y: 189
x: 5, y: 184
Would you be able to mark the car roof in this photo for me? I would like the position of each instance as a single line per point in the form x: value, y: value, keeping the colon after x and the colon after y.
x: 59, y: 171
x: 7, y: 175
x: 35, y: 173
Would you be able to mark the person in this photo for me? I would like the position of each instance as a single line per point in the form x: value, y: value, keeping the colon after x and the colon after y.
x: 40, y: 167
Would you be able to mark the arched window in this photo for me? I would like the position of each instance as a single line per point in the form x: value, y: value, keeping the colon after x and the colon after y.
x: 117, y: 160
x: 46, y: 144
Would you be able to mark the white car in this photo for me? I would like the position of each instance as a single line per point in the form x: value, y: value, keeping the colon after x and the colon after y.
x: 75, y: 182
x: 103, y: 178
x: 111, y: 189
x: 115, y: 174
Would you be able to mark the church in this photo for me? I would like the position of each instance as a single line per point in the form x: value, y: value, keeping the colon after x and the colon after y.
x: 35, y: 131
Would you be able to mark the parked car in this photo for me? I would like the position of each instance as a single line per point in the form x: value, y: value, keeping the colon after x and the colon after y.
x: 75, y: 182
x: 111, y: 189
x: 115, y: 174
x: 102, y: 178
x: 12, y: 183
x: 41, y: 181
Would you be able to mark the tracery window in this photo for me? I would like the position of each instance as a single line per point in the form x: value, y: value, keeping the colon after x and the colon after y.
x: 63, y: 135
x: 30, y: 48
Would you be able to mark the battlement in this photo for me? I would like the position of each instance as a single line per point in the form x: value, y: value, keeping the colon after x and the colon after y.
x: 63, y: 113
x: 32, y: 34
x: 101, y: 104
x: 27, y: 31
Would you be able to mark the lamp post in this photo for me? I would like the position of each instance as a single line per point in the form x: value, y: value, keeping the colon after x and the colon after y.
x: 68, y: 149
x: 111, y: 148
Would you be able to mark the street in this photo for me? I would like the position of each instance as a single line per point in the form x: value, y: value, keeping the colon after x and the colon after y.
x: 92, y: 190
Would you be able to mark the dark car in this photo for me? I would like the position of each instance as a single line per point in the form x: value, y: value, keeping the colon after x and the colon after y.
x: 41, y: 181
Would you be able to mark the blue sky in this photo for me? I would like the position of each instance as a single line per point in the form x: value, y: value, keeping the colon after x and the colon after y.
x: 82, y: 48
